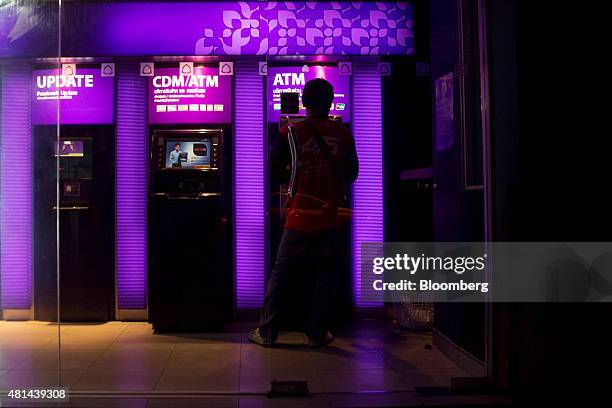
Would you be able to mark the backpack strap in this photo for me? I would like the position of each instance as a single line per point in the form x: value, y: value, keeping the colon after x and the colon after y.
x: 295, y: 160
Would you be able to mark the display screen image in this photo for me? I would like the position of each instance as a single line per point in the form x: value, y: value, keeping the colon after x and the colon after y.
x: 75, y: 159
x: 69, y: 148
x: 293, y: 79
x: 194, y: 154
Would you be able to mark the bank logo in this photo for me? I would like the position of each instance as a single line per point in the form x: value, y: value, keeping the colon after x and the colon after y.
x: 68, y: 69
x: 422, y: 69
x: 107, y: 69
x: 226, y: 68
x: 263, y: 68
x: 345, y: 68
x: 186, y: 68
x: 147, y: 69
x: 384, y: 69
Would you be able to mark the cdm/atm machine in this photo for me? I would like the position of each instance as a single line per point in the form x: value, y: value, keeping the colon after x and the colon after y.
x: 190, y: 280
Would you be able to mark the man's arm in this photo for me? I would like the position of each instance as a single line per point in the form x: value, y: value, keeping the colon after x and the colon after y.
x: 351, y: 170
x: 280, y: 158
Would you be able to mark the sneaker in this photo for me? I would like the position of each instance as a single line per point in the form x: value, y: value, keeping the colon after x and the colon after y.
x: 257, y: 338
x: 321, y: 341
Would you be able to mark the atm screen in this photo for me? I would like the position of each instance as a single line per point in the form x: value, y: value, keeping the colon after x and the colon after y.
x: 188, y: 153
x: 68, y: 148
x: 75, y: 159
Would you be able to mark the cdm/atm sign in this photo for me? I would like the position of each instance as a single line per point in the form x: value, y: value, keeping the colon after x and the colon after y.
x: 287, y: 78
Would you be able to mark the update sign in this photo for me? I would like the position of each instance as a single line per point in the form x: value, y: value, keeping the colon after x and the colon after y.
x: 293, y: 79
x: 84, y: 98
x: 200, y: 96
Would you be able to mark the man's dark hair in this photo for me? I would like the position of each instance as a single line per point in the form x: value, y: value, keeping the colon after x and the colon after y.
x: 178, y: 144
x: 318, y: 94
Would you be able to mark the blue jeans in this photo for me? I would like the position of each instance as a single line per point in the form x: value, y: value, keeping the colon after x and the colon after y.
x: 317, y: 249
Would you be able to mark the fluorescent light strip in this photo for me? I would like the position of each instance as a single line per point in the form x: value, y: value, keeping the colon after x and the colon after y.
x: 368, y: 189
x: 249, y: 249
x: 16, y: 187
x: 131, y: 187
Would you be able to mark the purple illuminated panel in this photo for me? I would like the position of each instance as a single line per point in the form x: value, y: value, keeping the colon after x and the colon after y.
x: 203, y: 97
x: 16, y: 189
x: 292, y: 79
x: 86, y: 97
x: 368, y: 189
x: 131, y: 189
x: 249, y: 186
x: 220, y: 28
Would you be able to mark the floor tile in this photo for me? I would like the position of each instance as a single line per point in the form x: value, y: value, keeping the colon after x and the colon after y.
x: 11, y: 358
x: 398, y: 340
x: 39, y: 378
x: 133, y: 346
x: 210, y: 342
x: 49, y: 360
x: 112, y: 380
x: 399, y: 399
x: 203, y: 402
x: 31, y: 341
x: 7, y: 402
x: 313, y: 401
x: 90, y: 402
x: 353, y: 344
x: 138, y: 327
x: 195, y: 379
x: 464, y: 400
x: 132, y: 360
x: 437, y: 377
x: 258, y: 380
x: 202, y: 361
x: 276, y: 358
x: 145, y: 338
x: 416, y: 357
x: 374, y: 380
x: 335, y: 359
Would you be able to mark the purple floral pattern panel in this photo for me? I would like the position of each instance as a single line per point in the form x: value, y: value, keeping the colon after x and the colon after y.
x: 211, y: 28
x: 310, y: 28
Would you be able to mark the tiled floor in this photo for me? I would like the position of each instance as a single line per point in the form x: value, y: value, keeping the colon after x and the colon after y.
x: 128, y: 357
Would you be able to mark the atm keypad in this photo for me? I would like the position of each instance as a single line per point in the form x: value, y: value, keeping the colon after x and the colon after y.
x: 214, y: 156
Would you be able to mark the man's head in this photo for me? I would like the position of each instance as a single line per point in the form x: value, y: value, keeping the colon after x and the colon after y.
x: 317, y: 97
x: 177, y: 147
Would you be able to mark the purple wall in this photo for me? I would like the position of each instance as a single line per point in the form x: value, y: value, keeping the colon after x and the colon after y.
x: 16, y: 188
x: 131, y: 188
x: 249, y: 191
x: 368, y: 189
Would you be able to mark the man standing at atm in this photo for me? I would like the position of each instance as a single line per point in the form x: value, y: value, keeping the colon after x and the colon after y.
x: 327, y: 163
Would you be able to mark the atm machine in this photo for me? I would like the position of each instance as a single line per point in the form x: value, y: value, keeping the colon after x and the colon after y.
x: 190, y: 284
x: 85, y: 156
